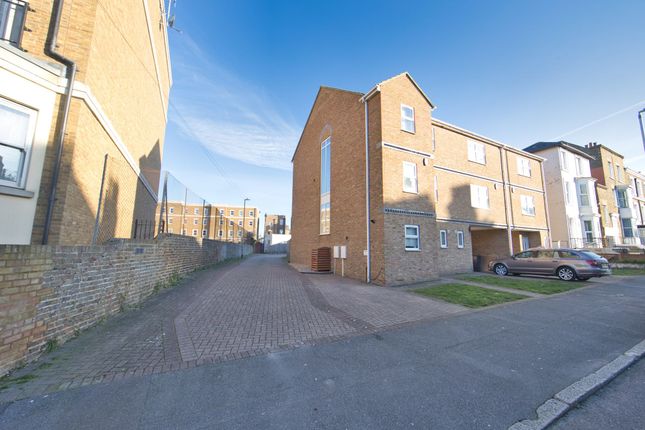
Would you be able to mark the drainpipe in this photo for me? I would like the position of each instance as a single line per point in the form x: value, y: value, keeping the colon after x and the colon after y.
x: 59, y: 140
x: 364, y: 100
x: 509, y: 232
x: 546, y: 207
x: 367, y: 195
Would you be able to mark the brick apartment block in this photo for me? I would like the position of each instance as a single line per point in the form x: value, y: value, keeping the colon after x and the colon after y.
x: 275, y: 224
x: 118, y: 110
x: 441, y: 198
x: 218, y: 222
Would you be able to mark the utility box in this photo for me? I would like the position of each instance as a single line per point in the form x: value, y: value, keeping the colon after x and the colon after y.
x: 321, y: 260
x: 336, y: 251
x: 343, y: 251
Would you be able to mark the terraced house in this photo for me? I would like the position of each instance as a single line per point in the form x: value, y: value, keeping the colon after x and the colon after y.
x: 408, y: 196
x: 83, y: 103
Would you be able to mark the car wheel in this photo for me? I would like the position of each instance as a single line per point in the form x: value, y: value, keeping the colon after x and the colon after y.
x: 500, y: 269
x: 566, y: 273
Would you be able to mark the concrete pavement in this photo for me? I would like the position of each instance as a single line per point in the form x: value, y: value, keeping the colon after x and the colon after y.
x: 484, y: 369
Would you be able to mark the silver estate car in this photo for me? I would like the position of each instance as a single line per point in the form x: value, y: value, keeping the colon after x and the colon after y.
x: 566, y: 264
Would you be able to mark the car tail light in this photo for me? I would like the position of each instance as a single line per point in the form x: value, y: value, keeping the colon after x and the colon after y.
x: 594, y: 263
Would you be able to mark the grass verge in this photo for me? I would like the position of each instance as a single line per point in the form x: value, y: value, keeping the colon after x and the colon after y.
x: 468, y: 295
x: 628, y: 272
x: 540, y: 286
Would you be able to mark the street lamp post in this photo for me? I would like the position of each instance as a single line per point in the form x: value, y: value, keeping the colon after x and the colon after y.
x: 640, y: 120
x: 243, y: 225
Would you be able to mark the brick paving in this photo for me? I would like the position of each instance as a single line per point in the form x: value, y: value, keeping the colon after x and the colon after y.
x: 230, y: 312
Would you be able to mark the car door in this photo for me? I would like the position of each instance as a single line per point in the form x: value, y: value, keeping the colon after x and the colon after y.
x: 521, y: 263
x: 544, y: 262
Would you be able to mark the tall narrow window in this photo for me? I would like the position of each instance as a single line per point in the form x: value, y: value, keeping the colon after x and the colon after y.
x: 619, y: 173
x: 578, y: 166
x: 325, y: 186
x: 410, y: 184
x: 583, y: 193
x: 563, y: 161
x: 434, y: 140
x: 443, y: 238
x: 460, y: 239
x: 407, y: 118
x: 611, y: 169
x: 436, y: 188
x: 16, y: 131
x: 528, y: 205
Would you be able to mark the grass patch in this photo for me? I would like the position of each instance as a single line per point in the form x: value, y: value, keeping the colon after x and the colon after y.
x: 540, y: 286
x: 51, y: 345
x: 468, y: 295
x: 628, y: 272
x: 6, y: 381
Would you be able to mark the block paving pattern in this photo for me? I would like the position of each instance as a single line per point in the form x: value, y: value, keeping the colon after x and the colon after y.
x: 236, y: 311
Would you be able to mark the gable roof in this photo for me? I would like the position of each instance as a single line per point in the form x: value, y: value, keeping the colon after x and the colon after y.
x: 541, y: 146
x: 377, y: 87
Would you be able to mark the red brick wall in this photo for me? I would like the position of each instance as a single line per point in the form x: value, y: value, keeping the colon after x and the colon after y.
x: 51, y: 292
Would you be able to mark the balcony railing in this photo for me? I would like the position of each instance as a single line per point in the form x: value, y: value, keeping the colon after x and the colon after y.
x: 12, y: 20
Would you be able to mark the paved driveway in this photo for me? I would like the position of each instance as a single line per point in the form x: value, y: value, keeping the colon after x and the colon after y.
x: 240, y: 310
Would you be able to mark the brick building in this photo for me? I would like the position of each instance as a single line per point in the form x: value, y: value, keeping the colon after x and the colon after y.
x: 219, y: 222
x: 440, y: 197
x: 617, y: 211
x: 275, y: 224
x: 111, y: 58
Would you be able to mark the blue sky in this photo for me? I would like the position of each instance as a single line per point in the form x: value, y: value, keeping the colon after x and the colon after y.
x: 246, y: 74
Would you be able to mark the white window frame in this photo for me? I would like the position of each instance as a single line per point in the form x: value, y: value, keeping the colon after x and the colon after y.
x: 239, y: 233
x: 476, y: 152
x: 524, y: 166
x: 619, y: 173
x: 528, y: 205
x: 405, y: 118
x: 460, y: 239
x: 477, y: 195
x: 250, y: 213
x: 436, y: 188
x: 407, y: 236
x: 194, y: 232
x: 251, y: 223
x: 239, y: 223
x: 443, y: 239
x: 231, y: 212
x: 415, y: 181
x: 195, y: 221
x: 23, y: 165
x: 583, y: 186
x: 196, y: 211
x: 169, y: 220
x: 231, y: 223
x: 221, y: 212
x: 171, y: 210
x: 578, y: 163
x: 204, y: 233
x: 220, y: 233
x: 611, y: 169
x: 563, y: 161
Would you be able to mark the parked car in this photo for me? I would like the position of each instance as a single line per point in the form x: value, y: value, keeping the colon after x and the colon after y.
x: 566, y: 264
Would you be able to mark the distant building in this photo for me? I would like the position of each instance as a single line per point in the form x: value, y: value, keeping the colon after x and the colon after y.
x: 50, y: 175
x: 275, y: 224
x: 618, y: 214
x: 218, y: 222
x: 637, y: 186
x: 571, y: 195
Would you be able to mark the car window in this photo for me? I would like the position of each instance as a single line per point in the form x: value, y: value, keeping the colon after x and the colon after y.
x: 566, y: 254
x: 545, y: 254
x: 590, y: 254
x: 525, y: 254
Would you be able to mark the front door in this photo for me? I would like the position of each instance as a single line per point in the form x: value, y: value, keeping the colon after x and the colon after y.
x: 526, y: 244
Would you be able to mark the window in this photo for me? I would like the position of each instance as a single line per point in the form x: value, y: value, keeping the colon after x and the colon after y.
x: 325, y: 186
x: 628, y: 231
x: 239, y: 233
x: 407, y: 118
x: 281, y: 221
x: 588, y: 230
x: 205, y: 222
x: 605, y: 213
x: 434, y: 140
x: 221, y: 221
x: 195, y: 221
x: 460, y: 239
x: 564, y: 254
x: 578, y: 166
x: 611, y: 169
x: 231, y: 223
x: 206, y: 211
x: 231, y: 212
x: 183, y: 231
x: 567, y: 192
x: 251, y: 223
x: 583, y: 193
x: 169, y: 220
x: 239, y: 223
x: 524, y: 166
x: 526, y: 254
x: 619, y: 173
x: 476, y: 152
x: 410, y: 184
x: 230, y: 233
x: 621, y: 198
x: 250, y: 213
x: 170, y: 230
x: 241, y: 213
x: 436, y: 188
x: 563, y: 161
x: 196, y: 211
x: 12, y: 21
x: 443, y: 238
x: 221, y: 212
x: 220, y: 233
x: 528, y: 205
x: 16, y: 131
x: 411, y: 237
x: 479, y: 197
x: 204, y: 233
x: 194, y: 232
x: 171, y: 210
